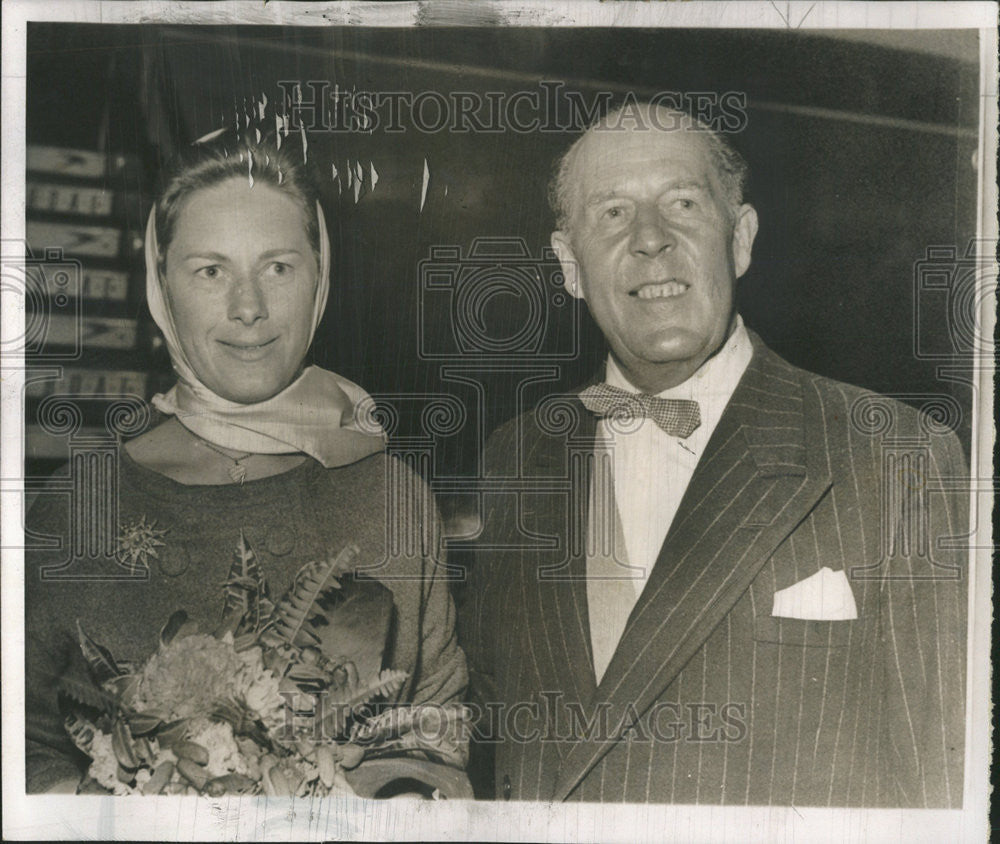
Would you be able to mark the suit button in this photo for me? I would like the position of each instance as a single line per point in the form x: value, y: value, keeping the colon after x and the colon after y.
x: 506, y: 787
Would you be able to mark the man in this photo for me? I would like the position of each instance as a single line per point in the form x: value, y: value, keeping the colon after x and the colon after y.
x: 713, y: 578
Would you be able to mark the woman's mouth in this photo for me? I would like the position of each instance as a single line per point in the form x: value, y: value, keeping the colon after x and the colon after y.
x: 248, y: 345
x: 660, y: 290
x: 247, y: 351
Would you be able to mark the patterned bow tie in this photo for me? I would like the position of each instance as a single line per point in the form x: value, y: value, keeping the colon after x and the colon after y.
x: 677, y: 417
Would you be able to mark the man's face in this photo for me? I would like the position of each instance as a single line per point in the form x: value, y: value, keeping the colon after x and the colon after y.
x: 655, y: 250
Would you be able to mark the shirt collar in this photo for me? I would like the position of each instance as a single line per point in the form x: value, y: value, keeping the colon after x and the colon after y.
x: 712, y: 385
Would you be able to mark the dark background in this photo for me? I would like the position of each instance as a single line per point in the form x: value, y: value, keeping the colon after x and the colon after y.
x: 861, y: 157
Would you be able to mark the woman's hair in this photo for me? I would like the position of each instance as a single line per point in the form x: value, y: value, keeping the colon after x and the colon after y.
x: 203, y: 165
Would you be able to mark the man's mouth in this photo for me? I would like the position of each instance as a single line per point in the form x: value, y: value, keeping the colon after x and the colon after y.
x: 660, y: 290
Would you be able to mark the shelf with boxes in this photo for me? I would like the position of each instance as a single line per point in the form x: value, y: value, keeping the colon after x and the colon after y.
x: 90, y: 346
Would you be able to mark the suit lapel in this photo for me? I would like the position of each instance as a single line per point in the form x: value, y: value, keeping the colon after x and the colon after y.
x: 751, y: 487
x: 553, y: 586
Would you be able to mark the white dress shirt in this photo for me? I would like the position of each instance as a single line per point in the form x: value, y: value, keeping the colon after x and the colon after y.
x: 651, y: 468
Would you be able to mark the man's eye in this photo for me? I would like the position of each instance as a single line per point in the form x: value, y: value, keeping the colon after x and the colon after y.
x: 685, y: 204
x: 615, y: 212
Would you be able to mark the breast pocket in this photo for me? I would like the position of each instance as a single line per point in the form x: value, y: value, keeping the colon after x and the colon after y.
x: 803, y: 632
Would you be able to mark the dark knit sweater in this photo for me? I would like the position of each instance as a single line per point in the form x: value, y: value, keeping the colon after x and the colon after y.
x: 304, y: 514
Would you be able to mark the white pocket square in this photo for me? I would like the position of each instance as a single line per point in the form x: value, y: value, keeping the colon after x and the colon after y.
x: 824, y: 596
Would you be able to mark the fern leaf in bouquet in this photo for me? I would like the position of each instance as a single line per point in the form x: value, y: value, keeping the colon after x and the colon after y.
x: 294, y: 620
x: 83, y: 691
x: 330, y: 619
x: 91, y: 676
x: 439, y: 732
x: 347, y: 701
x: 246, y: 604
x: 99, y: 659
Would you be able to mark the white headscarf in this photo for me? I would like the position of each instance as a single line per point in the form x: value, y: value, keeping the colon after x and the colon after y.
x: 314, y: 414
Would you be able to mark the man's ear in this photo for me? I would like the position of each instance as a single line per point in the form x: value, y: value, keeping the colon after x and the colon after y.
x: 744, y: 232
x: 571, y: 269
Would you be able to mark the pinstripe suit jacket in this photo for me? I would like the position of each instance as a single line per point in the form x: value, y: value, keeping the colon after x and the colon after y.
x: 708, y: 698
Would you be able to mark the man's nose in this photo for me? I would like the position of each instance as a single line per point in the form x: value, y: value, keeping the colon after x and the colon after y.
x: 650, y: 233
x: 247, y: 302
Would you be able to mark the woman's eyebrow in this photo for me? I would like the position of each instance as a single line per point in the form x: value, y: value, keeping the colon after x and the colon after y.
x: 220, y: 258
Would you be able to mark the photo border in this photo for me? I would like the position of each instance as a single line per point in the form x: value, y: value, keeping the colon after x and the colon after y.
x: 261, y: 818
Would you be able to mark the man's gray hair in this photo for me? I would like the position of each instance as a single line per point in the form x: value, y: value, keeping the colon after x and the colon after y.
x: 731, y: 167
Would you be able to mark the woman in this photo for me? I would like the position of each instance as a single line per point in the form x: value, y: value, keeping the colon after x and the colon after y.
x: 255, y: 448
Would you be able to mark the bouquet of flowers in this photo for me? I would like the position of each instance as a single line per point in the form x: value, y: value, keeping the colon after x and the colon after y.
x: 280, y: 699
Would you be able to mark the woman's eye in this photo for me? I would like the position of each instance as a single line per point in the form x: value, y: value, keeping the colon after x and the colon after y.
x: 209, y: 272
x: 279, y: 268
x: 685, y: 204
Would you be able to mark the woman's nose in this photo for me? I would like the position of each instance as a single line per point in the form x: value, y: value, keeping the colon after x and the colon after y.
x: 650, y: 233
x: 247, y: 302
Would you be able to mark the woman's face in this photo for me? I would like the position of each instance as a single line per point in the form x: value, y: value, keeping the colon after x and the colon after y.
x: 240, y: 282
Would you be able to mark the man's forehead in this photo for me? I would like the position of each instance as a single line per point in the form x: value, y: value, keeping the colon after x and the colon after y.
x: 608, y: 143
x: 604, y: 154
